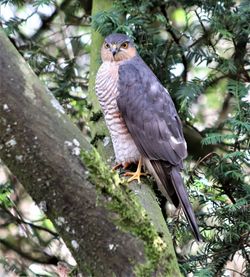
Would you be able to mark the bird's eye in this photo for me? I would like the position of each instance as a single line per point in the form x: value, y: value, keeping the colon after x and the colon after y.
x: 106, y: 45
x: 124, y: 45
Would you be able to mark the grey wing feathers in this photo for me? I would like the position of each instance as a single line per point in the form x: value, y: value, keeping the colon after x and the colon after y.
x: 152, y: 120
x: 150, y: 114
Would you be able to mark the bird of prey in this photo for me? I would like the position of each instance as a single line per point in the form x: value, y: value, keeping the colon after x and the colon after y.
x: 142, y: 120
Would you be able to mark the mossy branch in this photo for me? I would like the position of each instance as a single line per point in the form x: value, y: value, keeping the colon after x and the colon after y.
x: 131, y: 217
x: 39, y: 144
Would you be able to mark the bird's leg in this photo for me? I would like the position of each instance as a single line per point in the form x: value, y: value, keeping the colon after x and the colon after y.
x: 126, y: 165
x: 114, y: 168
x: 136, y: 175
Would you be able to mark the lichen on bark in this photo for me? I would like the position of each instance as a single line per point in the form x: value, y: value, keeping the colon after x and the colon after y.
x: 131, y: 217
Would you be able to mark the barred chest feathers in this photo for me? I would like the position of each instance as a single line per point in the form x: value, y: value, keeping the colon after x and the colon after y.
x: 107, y: 92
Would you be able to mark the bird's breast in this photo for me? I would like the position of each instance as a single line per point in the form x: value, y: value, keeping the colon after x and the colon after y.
x: 106, y: 85
x: 107, y: 91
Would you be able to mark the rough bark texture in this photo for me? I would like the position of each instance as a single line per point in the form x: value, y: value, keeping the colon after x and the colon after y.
x: 35, y: 145
x: 40, y: 144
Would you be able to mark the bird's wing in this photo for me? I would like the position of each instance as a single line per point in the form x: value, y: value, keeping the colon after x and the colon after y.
x: 153, y: 123
x: 149, y: 113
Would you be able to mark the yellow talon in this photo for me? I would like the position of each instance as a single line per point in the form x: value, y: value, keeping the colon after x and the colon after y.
x: 136, y: 175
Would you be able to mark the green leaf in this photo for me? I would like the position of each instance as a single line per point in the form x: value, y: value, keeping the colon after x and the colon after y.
x: 5, y: 192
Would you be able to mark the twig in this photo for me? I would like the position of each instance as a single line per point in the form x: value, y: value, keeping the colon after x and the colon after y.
x: 47, y: 21
x: 177, y: 42
x: 46, y: 259
x: 20, y: 220
x: 204, y: 30
x: 224, y: 110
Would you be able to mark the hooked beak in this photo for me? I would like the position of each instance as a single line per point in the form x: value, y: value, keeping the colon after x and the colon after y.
x: 114, y: 50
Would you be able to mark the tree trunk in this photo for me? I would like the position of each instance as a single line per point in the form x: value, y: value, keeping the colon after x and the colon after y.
x: 40, y: 145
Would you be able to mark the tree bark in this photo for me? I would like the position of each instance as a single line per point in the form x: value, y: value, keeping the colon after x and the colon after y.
x: 40, y: 145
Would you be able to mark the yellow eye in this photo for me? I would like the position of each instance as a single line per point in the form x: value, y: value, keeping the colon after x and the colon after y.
x: 106, y: 45
x: 124, y: 45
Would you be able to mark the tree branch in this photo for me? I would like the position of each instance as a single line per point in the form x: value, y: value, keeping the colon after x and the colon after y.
x: 177, y: 42
x: 48, y: 20
x: 43, y: 258
x: 20, y: 220
x: 40, y: 145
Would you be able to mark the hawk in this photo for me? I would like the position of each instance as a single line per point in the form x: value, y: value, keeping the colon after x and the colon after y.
x: 142, y: 120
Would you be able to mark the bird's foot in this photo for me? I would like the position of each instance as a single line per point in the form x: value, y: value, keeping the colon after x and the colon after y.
x: 136, y: 175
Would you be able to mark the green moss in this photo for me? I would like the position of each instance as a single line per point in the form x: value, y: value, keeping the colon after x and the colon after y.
x: 131, y: 217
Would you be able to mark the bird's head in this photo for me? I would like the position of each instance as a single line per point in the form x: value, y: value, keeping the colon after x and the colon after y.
x: 117, y: 47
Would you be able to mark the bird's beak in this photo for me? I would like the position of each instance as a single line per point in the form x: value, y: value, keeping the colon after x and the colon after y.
x: 114, y: 49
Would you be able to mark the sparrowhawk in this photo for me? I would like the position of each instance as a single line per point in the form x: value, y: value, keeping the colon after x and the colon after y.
x: 142, y: 120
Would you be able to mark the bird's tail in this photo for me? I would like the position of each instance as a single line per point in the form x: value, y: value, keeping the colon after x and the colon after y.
x: 171, y: 184
x: 182, y: 195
